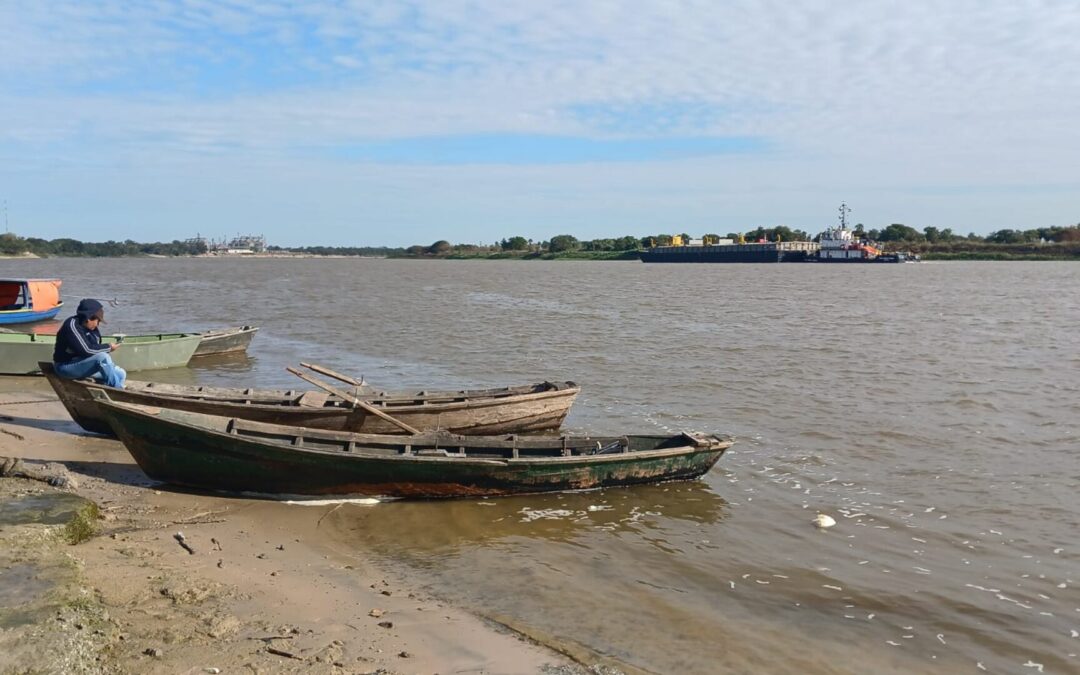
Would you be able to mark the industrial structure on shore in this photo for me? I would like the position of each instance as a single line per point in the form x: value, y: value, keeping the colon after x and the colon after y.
x: 248, y: 244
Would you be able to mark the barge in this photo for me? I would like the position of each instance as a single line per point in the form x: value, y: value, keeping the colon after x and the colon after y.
x: 763, y: 252
x: 834, y: 245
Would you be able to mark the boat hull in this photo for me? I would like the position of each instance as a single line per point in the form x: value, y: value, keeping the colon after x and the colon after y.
x: 20, y: 353
x: 228, y: 341
x: 8, y: 317
x: 768, y: 252
x: 511, y: 410
x: 206, y: 452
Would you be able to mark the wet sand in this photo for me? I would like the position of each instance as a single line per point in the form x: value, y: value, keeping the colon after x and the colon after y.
x: 262, y: 592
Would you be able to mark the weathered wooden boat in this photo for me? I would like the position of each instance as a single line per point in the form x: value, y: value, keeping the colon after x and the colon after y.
x: 533, y: 407
x: 235, y: 455
x: 226, y: 341
x: 20, y: 353
x: 27, y: 300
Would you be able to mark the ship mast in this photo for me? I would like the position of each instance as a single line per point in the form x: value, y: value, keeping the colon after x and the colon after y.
x: 844, y: 210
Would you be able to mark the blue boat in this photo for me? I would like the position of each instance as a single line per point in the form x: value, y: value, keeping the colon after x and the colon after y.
x: 27, y: 300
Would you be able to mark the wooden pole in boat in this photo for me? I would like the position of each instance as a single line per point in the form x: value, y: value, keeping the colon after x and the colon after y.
x: 352, y: 399
x: 334, y: 374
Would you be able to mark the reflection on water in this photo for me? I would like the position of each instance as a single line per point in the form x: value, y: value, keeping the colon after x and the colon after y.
x: 228, y: 367
x: 933, y: 410
x: 423, y: 529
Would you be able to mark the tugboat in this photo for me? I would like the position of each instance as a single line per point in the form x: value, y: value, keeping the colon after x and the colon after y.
x: 839, y: 244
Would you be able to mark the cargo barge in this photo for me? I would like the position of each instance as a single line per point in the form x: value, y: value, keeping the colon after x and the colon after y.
x: 834, y: 245
x: 764, y: 252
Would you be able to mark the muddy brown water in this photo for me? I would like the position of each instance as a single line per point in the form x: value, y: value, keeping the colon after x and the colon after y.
x: 933, y: 410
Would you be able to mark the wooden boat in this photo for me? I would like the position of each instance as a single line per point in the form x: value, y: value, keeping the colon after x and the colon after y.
x: 226, y: 453
x: 26, y: 300
x: 534, y: 407
x: 225, y: 341
x: 20, y: 353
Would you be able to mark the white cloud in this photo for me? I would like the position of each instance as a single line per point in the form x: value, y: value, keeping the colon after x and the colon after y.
x: 883, y: 98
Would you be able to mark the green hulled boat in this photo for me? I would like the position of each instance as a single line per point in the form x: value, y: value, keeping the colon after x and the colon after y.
x: 21, y: 352
x: 224, y: 453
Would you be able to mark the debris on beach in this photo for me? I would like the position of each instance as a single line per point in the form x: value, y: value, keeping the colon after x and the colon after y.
x: 53, y: 473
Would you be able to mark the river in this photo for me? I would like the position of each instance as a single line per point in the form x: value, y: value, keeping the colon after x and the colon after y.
x: 932, y: 410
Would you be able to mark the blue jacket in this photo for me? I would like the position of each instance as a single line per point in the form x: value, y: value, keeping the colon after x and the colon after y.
x: 74, y: 341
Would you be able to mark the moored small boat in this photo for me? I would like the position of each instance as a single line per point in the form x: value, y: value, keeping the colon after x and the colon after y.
x: 223, y: 453
x: 225, y: 341
x: 27, y: 300
x: 20, y: 353
x: 533, y: 407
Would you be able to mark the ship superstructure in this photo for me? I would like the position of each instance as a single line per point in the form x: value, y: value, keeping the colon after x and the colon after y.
x: 839, y: 244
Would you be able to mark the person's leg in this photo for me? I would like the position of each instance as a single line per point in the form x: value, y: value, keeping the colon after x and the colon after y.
x: 115, y: 376
x: 75, y: 370
x: 99, y: 366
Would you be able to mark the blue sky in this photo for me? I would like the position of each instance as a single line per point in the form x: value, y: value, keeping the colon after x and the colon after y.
x: 395, y: 123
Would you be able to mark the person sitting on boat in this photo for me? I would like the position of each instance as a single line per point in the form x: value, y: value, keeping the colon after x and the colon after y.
x: 79, y: 351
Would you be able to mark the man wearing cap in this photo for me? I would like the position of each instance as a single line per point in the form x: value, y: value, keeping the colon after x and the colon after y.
x: 79, y: 352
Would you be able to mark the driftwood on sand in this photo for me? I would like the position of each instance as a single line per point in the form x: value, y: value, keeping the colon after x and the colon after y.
x: 51, y: 473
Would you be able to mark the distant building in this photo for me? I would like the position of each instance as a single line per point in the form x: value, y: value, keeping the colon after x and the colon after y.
x: 248, y: 244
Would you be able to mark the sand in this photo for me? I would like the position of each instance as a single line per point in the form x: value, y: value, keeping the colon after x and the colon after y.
x: 258, y: 595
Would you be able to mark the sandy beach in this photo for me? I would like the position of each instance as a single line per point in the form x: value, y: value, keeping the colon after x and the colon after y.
x: 260, y: 593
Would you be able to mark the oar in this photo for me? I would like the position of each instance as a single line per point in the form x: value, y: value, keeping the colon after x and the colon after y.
x: 334, y: 374
x: 352, y: 399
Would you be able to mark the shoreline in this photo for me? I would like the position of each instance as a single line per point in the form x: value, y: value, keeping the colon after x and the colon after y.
x: 263, y: 589
x: 926, y: 257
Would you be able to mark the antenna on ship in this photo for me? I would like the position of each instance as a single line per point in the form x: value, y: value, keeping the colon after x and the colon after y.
x: 844, y: 210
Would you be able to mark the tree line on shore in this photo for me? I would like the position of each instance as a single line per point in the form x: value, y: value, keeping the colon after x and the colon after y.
x: 931, y: 240
x: 12, y: 244
x: 895, y: 237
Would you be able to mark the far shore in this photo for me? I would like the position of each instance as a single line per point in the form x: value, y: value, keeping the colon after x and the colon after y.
x: 926, y: 257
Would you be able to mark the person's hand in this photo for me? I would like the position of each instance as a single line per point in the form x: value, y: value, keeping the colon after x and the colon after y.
x: 114, y: 346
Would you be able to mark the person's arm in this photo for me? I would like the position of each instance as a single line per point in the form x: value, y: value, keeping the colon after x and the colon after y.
x: 78, y: 344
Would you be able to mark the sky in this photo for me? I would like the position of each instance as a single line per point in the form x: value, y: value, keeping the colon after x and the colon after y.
x: 392, y: 123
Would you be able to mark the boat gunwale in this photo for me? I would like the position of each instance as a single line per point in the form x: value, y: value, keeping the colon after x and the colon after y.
x: 221, y: 333
x: 475, y: 399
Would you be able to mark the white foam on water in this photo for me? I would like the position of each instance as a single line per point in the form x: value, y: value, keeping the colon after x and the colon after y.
x: 361, y: 501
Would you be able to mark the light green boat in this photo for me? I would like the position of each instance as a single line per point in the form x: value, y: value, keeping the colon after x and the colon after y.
x: 20, y: 352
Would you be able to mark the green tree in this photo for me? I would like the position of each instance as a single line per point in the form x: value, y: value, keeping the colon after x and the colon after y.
x: 1005, y: 237
x: 515, y: 244
x: 11, y: 244
x: 900, y: 232
x: 440, y: 247
x: 780, y: 233
x: 563, y: 242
